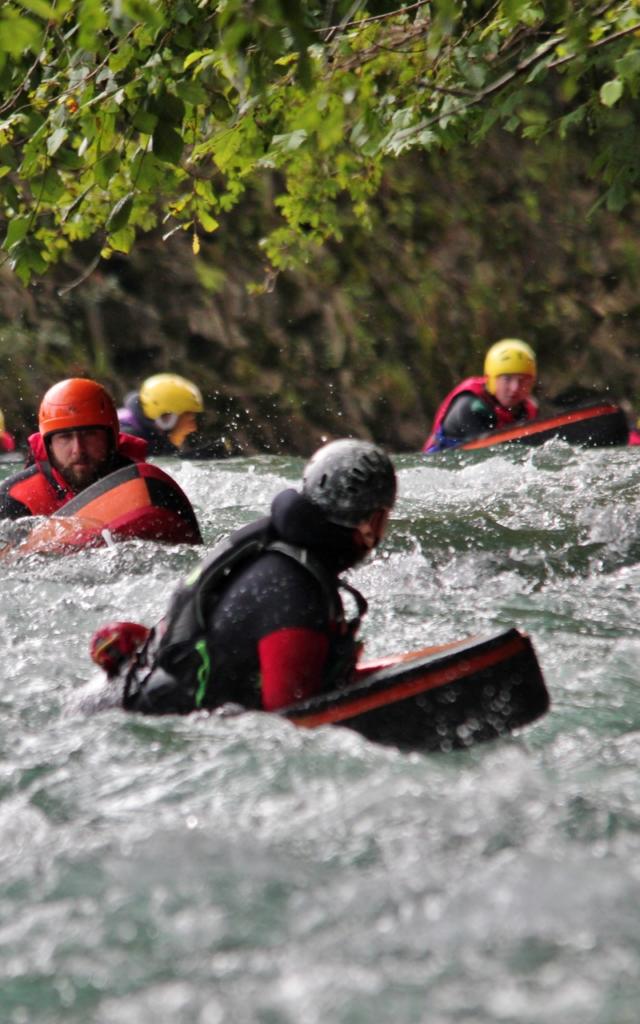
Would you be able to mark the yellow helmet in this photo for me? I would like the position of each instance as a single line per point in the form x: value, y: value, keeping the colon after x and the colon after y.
x: 167, y: 395
x: 508, y: 356
x: 1, y: 422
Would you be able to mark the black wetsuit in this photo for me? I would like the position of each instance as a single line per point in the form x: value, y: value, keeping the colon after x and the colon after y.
x: 469, y: 416
x: 274, y: 634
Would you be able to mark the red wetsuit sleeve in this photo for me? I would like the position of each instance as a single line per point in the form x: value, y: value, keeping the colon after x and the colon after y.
x: 291, y: 665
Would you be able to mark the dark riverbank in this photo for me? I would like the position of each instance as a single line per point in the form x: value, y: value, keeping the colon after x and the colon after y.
x: 368, y: 336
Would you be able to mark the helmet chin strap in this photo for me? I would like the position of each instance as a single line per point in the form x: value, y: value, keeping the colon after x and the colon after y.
x: 167, y: 421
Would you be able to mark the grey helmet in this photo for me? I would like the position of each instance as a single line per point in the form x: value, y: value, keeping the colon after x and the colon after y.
x: 349, y: 480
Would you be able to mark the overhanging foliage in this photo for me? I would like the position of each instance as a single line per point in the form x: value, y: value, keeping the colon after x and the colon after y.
x: 117, y: 116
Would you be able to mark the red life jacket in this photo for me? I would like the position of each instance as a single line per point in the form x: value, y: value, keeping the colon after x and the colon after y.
x: 477, y: 386
x: 43, y: 490
x: 7, y: 443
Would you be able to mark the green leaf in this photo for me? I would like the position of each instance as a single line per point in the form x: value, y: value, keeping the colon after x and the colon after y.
x: 55, y: 140
x: 26, y: 258
x: 628, y: 67
x: 185, y: 13
x: 143, y: 10
x: 572, y: 120
x: 16, y: 231
x: 18, y: 35
x: 47, y: 187
x: 75, y: 205
x: 122, y: 57
x: 196, y: 56
x: 208, y: 222
x: 119, y: 216
x: 107, y: 134
x: 534, y: 131
x: 617, y: 197
x: 611, y: 92
x: 105, y: 168
x: 191, y: 92
x: 515, y: 9
x: 145, y: 121
x: 22, y: 271
x: 123, y: 239
x: 41, y: 8
x: 146, y: 172
x: 167, y: 143
x: 92, y: 19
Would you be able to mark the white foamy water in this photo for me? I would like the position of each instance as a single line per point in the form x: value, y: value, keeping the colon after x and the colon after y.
x: 205, y: 871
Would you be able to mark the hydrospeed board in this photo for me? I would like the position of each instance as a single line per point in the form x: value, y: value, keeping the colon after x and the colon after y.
x: 438, y: 698
x: 594, y: 426
x: 139, y: 501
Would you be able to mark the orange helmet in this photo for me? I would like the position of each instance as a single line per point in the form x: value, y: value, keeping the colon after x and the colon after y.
x: 74, y: 403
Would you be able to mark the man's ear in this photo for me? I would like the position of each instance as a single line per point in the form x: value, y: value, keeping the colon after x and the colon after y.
x: 371, y: 530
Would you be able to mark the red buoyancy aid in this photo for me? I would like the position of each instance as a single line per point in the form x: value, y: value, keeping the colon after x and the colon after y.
x: 7, y: 443
x: 45, y: 490
x: 477, y: 386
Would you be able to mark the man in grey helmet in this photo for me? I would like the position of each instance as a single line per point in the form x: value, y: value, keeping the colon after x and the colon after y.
x: 261, y: 623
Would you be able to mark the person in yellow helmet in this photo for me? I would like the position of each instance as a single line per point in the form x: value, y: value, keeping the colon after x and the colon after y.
x: 500, y: 398
x: 7, y: 442
x: 163, y: 411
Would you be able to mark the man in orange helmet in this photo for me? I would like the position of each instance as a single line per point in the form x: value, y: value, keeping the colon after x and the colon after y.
x: 78, y: 442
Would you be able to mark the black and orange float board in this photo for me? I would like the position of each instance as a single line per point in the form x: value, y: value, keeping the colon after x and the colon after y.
x: 436, y: 699
x: 439, y: 698
x: 594, y: 426
x: 139, y: 501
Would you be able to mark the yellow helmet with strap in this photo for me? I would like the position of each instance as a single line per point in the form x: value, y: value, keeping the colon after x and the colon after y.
x: 508, y: 356
x: 165, y: 396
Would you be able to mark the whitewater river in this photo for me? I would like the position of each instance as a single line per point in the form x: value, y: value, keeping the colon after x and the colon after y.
x: 209, y: 871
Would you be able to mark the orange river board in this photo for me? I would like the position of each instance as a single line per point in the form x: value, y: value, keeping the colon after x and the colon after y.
x: 438, y: 698
x: 594, y: 426
x: 139, y: 501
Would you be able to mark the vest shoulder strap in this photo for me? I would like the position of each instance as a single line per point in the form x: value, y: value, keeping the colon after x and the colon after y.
x: 327, y: 584
x: 330, y: 586
x: 245, y: 543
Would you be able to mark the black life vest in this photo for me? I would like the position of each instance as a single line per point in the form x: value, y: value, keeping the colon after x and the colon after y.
x: 172, y: 673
